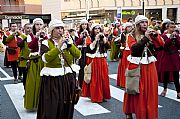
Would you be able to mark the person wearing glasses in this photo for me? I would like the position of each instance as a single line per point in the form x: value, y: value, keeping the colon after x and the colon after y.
x: 82, y: 42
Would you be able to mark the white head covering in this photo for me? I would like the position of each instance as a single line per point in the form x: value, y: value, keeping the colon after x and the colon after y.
x: 55, y: 23
x: 38, y: 20
x: 166, y: 21
x: 127, y: 24
x: 96, y: 25
x: 140, y: 18
x: 83, y: 21
x: 177, y: 28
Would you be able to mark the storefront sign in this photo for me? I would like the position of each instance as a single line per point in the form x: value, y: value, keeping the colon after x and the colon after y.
x: 13, y: 17
x: 119, y: 13
x: 129, y: 12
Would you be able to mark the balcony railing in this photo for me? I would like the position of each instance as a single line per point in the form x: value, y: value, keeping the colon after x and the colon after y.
x: 12, y: 8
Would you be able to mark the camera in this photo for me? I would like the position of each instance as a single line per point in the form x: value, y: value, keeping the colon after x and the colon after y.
x: 84, y: 33
x: 67, y: 43
x: 42, y: 35
x: 154, y: 34
x: 16, y: 33
x: 101, y: 36
x: 173, y: 38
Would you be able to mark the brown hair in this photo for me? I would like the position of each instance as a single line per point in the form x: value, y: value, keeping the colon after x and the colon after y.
x: 136, y: 34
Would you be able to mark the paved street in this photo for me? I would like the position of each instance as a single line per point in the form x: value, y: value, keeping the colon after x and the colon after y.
x: 11, y: 100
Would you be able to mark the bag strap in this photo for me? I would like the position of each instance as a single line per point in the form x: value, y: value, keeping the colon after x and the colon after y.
x: 149, y: 50
x: 141, y: 58
x: 76, y: 81
x: 66, y: 60
x: 142, y: 54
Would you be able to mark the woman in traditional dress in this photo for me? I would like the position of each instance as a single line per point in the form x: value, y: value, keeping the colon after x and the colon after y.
x: 141, y: 44
x: 114, y: 47
x: 98, y: 89
x: 58, y: 80
x: 159, y: 53
x: 170, y: 58
x: 82, y: 42
x: 125, y: 52
x: 35, y: 65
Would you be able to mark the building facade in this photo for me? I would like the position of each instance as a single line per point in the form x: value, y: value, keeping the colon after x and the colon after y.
x: 21, y: 12
x: 106, y: 10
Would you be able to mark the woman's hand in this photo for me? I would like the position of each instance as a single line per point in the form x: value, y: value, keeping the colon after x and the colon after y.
x: 41, y: 34
x: 173, y: 35
x: 16, y: 33
x: 147, y: 34
x: 37, y: 34
x: 97, y: 38
x: 61, y: 41
x: 84, y: 34
x: 104, y: 39
x: 81, y: 35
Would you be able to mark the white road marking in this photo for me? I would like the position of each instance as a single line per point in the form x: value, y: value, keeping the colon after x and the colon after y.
x: 9, y: 78
x: 16, y: 92
x: 7, y: 75
x: 86, y: 107
x: 171, y: 94
x: 117, y: 93
x: 113, y: 76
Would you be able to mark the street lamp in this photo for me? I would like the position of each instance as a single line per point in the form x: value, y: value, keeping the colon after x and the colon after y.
x: 143, y: 8
x: 80, y: 4
x: 87, y: 9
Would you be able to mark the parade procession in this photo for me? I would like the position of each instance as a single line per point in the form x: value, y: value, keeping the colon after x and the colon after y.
x: 89, y: 59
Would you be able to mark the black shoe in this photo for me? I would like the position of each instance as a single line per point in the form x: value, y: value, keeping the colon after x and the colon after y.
x: 163, y: 93
x: 129, y: 116
x: 15, y: 81
x: 20, y: 78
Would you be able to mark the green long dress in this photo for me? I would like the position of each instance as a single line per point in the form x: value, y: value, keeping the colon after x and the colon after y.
x: 114, y: 51
x: 33, y: 82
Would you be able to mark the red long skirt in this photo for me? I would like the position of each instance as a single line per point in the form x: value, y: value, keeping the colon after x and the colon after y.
x: 145, y: 104
x: 99, y: 88
x: 158, y: 64
x: 121, y: 79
